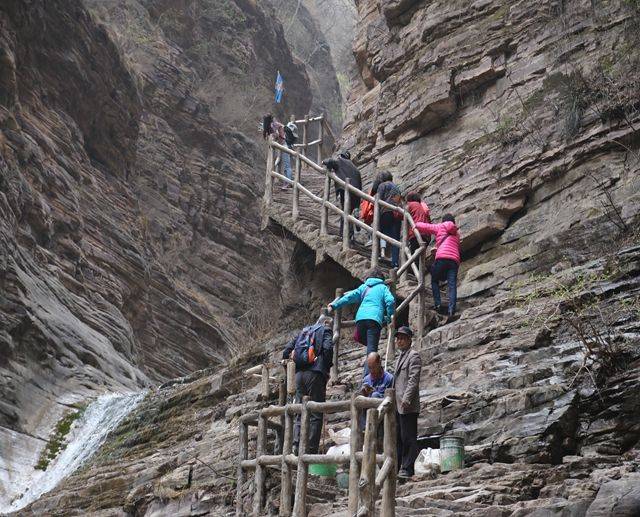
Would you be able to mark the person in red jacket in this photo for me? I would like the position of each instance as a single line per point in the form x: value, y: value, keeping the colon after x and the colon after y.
x: 447, y: 259
x: 420, y: 213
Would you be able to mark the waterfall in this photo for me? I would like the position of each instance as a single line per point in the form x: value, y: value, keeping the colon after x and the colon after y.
x: 100, y: 418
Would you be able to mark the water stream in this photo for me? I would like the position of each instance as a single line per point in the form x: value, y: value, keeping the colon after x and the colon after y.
x: 88, y: 434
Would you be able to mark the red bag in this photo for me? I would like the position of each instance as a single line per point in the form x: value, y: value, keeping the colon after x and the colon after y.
x: 366, y: 211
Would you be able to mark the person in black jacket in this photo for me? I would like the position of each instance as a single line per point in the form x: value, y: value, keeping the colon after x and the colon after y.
x: 312, y: 380
x: 344, y: 168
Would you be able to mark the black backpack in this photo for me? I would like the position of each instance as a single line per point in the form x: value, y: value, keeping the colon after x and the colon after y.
x: 289, y: 137
x: 306, y: 350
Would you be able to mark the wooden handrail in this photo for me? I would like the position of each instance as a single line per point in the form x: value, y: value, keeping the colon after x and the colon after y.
x: 361, y: 194
x: 409, y: 261
x: 364, y: 484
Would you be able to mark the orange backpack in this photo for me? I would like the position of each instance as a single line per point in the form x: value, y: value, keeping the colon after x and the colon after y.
x: 366, y: 211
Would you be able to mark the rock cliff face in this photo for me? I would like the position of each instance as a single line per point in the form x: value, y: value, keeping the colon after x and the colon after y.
x: 520, y: 118
x: 129, y: 183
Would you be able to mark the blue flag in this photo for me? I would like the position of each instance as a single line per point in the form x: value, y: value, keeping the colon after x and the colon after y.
x: 279, y: 87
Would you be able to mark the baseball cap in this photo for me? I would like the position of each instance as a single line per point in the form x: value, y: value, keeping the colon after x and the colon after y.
x: 405, y: 330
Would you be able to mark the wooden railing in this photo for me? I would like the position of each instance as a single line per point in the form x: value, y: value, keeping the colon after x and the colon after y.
x: 364, y: 484
x: 409, y: 262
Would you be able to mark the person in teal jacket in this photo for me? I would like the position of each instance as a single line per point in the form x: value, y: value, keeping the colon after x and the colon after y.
x: 377, y: 306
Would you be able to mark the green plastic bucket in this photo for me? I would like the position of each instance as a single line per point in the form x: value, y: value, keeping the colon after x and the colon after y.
x: 451, y: 453
x: 325, y: 470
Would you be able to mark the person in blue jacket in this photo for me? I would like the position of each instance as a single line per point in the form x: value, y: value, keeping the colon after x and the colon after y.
x: 377, y: 306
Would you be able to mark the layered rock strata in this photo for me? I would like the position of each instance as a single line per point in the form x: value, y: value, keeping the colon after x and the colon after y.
x: 129, y: 184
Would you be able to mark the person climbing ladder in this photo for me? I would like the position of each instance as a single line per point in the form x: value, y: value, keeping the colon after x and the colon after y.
x: 377, y: 306
x: 447, y: 260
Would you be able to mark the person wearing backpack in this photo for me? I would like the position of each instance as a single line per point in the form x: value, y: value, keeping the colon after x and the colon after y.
x: 447, y: 260
x: 290, y: 138
x: 390, y: 220
x: 272, y: 128
x: 312, y: 352
x: 366, y: 206
x: 345, y: 169
x: 377, y: 306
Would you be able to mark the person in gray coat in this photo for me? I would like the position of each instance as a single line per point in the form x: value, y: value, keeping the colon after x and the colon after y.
x: 407, y: 385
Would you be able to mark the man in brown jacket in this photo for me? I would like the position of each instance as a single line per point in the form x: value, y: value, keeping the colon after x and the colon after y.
x: 407, y: 385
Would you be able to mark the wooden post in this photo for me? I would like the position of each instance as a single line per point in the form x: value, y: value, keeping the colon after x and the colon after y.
x: 305, y: 135
x: 337, y: 324
x: 282, y: 401
x: 260, y: 477
x: 243, y: 455
x: 405, y: 239
x: 268, y: 185
x: 390, y: 452
x: 354, y: 466
x: 285, y: 468
x: 375, y: 241
x: 422, y: 297
x: 391, y: 349
x: 264, y: 382
x: 296, y: 191
x: 320, y: 137
x: 291, y: 377
x: 346, y: 210
x: 368, y: 476
x: 324, y: 214
x: 300, y: 505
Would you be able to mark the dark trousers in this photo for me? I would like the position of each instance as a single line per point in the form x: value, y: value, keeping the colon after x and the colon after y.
x: 314, y: 385
x: 441, y: 269
x: 391, y: 226
x: 355, y: 203
x: 369, y: 331
x: 407, y: 438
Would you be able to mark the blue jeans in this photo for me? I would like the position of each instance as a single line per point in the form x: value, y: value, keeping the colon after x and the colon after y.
x: 441, y: 269
x: 370, y: 333
x: 286, y: 164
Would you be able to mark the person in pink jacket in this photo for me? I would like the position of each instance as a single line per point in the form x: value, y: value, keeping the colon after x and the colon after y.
x: 447, y: 260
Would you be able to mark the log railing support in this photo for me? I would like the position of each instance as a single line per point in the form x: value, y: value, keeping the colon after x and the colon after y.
x: 320, y: 139
x: 375, y: 241
x: 264, y: 383
x: 296, y: 189
x: 368, y: 475
x: 355, y: 443
x: 422, y: 297
x: 324, y: 213
x: 243, y: 455
x: 346, y: 210
x: 260, y: 477
x: 291, y: 378
x: 404, y: 239
x: 337, y: 325
x: 305, y: 135
x: 390, y: 453
x: 268, y: 185
x: 391, y: 328
x: 300, y: 504
x: 287, y: 471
